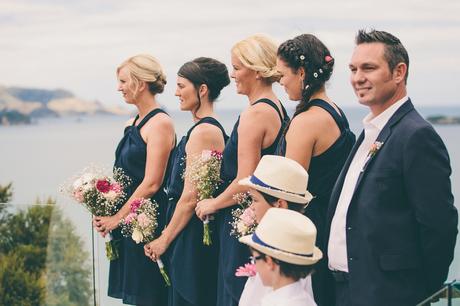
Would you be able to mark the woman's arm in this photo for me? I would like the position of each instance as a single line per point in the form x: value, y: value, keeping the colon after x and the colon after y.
x: 203, y: 137
x: 159, y: 139
x: 251, y: 134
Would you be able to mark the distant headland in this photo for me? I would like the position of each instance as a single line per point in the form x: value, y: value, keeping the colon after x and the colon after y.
x: 19, y: 105
x: 445, y: 120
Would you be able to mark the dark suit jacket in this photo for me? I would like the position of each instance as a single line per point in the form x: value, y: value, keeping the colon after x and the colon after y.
x: 401, y: 223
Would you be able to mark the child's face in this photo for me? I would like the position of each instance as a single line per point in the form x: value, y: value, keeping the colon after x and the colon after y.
x: 259, y: 205
x: 263, y: 268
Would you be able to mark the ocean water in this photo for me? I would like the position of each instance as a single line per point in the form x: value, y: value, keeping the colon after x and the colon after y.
x: 39, y: 158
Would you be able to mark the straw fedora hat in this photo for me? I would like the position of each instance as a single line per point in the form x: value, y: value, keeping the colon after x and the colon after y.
x: 285, y: 235
x: 280, y: 177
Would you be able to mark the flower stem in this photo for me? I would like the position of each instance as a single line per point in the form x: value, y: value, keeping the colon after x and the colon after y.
x: 206, y: 232
x: 163, y: 272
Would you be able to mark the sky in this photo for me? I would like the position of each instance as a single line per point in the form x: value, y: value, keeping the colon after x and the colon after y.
x: 77, y: 45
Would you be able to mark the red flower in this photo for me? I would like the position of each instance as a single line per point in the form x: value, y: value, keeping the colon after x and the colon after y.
x: 103, y: 186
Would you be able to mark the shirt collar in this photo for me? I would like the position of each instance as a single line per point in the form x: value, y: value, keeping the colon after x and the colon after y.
x: 277, y: 296
x: 371, y: 122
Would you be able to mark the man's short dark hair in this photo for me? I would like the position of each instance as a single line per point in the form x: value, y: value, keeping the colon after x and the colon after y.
x: 394, y: 53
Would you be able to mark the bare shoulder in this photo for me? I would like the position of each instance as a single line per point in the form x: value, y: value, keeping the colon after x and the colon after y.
x: 306, y: 120
x: 162, y: 121
x: 160, y: 127
x: 206, y: 132
x: 255, y: 115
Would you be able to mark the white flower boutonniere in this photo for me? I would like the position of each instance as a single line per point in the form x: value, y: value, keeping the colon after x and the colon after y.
x: 375, y: 147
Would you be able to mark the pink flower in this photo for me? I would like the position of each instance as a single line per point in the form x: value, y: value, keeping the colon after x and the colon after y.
x: 246, y: 270
x: 135, y: 204
x: 116, y: 187
x: 129, y: 218
x: 143, y: 220
x: 103, y: 186
x: 216, y: 154
x: 248, y: 216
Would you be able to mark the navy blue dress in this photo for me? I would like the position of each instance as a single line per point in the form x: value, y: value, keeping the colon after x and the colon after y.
x: 192, y: 265
x: 232, y: 253
x: 133, y: 277
x: 323, y: 171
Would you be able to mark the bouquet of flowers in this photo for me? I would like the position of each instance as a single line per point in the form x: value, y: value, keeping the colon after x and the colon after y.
x: 204, y: 173
x: 100, y: 194
x: 244, y: 218
x: 141, y: 224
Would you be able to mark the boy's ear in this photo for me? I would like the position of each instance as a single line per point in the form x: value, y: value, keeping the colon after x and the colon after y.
x: 270, y: 262
x: 282, y: 203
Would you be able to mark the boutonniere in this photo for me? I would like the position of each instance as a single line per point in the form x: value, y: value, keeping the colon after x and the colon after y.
x: 375, y: 147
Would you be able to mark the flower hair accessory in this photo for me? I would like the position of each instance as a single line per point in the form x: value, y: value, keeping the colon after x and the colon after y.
x: 328, y: 58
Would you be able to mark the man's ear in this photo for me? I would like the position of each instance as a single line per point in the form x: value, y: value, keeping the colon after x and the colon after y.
x: 400, y: 72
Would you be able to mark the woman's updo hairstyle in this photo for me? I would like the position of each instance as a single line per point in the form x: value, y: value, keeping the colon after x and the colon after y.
x: 146, y: 68
x: 308, y: 52
x: 209, y: 71
x: 258, y: 53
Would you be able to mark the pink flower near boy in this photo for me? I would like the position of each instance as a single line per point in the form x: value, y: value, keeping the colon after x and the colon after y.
x: 246, y: 270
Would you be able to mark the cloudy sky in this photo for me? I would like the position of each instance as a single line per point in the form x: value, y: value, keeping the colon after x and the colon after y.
x: 77, y: 45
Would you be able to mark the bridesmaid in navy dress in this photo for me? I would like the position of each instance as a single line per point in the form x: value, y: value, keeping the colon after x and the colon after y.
x: 318, y: 136
x: 143, y: 153
x: 255, y: 134
x: 192, y: 265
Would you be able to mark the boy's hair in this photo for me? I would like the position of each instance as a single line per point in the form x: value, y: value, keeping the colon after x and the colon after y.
x: 293, y: 271
x: 291, y: 205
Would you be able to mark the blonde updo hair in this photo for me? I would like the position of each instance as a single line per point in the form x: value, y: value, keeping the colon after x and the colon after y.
x: 258, y: 53
x: 144, y: 67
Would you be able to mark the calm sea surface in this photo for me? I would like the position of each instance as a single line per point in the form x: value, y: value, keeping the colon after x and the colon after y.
x: 39, y: 158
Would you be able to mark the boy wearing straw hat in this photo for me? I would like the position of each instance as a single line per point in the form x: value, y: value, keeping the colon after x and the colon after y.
x: 283, y: 251
x: 277, y: 182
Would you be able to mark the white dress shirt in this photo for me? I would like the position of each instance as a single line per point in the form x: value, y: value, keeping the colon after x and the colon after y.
x: 337, y: 247
x: 254, y: 290
x: 290, y: 295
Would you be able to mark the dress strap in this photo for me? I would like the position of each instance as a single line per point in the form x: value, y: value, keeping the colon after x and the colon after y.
x: 272, y: 104
x: 339, y: 119
x: 209, y: 120
x: 147, y: 118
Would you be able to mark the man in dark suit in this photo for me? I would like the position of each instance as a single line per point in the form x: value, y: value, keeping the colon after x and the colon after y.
x: 392, y: 224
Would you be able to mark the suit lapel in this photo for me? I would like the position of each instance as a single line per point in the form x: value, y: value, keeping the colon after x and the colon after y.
x: 339, y: 183
x: 382, y: 138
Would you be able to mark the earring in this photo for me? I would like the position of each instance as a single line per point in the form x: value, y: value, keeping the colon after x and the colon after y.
x: 306, y: 86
